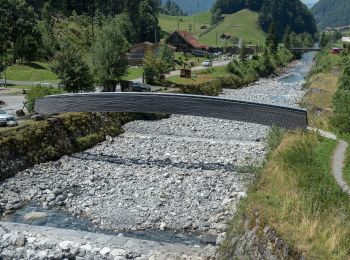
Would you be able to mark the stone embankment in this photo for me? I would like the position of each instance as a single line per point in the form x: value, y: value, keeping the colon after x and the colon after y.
x: 182, y: 174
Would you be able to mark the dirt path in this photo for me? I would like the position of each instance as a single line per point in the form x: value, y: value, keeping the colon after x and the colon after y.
x: 338, y: 165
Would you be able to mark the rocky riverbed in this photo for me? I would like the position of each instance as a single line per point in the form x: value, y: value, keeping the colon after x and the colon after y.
x: 183, y: 174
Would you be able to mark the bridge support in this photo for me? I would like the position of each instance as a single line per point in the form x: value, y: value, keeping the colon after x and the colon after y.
x: 214, y: 107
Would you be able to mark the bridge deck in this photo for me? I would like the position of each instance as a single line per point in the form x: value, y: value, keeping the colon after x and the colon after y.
x: 205, y: 106
x: 305, y: 49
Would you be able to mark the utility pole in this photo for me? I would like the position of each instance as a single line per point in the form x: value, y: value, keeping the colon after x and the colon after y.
x: 194, y: 24
x: 155, y: 34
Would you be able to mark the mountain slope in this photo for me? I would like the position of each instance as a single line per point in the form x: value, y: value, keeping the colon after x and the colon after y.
x: 332, y: 13
x: 243, y: 24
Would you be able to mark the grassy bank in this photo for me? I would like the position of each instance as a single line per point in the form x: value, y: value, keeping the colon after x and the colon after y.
x: 298, y: 196
x: 33, y: 72
x: 321, y: 85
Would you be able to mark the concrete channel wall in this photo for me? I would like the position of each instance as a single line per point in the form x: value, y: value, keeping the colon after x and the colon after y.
x: 204, y: 106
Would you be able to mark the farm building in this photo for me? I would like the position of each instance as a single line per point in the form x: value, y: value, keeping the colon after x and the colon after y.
x: 184, y: 41
x: 138, y: 51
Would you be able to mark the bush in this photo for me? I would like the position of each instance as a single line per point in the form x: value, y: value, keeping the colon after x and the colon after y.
x: 36, y: 93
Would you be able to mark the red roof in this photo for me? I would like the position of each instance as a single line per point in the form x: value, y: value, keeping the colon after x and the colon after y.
x: 190, y: 39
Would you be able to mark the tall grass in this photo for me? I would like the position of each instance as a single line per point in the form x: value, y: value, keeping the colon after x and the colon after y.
x: 298, y: 196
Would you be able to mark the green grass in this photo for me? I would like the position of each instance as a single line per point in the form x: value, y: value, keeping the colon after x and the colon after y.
x: 243, y: 24
x: 169, y: 23
x: 33, y: 72
x: 201, y: 76
x: 298, y: 196
x: 133, y: 73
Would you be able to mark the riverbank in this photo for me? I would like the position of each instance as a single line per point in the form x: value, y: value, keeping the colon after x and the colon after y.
x: 296, y: 209
x: 41, y: 141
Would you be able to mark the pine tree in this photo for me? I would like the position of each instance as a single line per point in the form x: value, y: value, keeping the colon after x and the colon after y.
x: 271, y: 40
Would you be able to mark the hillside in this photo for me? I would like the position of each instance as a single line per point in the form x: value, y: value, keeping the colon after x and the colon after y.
x: 169, y: 23
x: 243, y: 24
x: 194, y: 6
x: 332, y: 13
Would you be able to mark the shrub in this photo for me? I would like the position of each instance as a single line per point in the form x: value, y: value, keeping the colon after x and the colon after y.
x: 36, y: 93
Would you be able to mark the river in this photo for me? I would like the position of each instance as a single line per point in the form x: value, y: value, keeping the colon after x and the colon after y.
x: 175, y: 181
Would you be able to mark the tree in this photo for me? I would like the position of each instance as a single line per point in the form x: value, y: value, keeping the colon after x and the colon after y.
x: 167, y: 58
x: 150, y: 67
x: 47, y: 29
x: 157, y: 64
x: 286, y: 38
x: 243, y: 54
x: 18, y: 29
x: 72, y: 70
x: 109, y: 54
x: 271, y: 40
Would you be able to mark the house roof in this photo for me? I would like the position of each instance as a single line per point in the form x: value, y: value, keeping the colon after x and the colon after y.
x: 190, y: 39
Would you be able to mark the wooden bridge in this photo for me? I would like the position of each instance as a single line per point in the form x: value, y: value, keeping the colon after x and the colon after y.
x: 305, y: 49
x: 215, y: 107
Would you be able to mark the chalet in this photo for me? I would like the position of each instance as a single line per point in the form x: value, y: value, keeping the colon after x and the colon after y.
x: 336, y: 50
x: 138, y: 51
x: 184, y: 41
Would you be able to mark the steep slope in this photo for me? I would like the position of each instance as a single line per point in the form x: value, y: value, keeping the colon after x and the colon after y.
x: 243, y: 24
x: 332, y: 13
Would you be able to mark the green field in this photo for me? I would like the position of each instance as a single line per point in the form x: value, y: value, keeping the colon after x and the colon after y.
x: 243, y: 24
x: 201, y: 76
x: 37, y: 71
x: 170, y: 24
x: 133, y: 73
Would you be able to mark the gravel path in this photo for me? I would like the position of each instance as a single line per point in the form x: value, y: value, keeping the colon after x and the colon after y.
x: 182, y: 174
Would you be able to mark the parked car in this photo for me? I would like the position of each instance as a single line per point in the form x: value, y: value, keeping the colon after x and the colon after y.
x: 140, y: 87
x: 207, y: 63
x: 5, y: 118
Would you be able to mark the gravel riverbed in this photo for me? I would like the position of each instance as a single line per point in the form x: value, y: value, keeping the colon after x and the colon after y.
x: 183, y: 174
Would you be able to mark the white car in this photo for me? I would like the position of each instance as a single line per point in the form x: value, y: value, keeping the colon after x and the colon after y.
x: 5, y: 118
x: 207, y: 63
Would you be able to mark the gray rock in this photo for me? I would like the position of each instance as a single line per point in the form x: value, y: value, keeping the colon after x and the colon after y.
x: 32, y: 216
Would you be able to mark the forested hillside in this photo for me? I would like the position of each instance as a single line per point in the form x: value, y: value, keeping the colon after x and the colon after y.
x: 283, y: 13
x: 142, y: 14
x: 332, y: 13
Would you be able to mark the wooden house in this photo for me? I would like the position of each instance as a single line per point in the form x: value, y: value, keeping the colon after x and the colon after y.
x: 184, y: 41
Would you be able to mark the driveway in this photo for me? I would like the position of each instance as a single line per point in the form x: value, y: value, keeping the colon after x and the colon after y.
x: 12, y: 103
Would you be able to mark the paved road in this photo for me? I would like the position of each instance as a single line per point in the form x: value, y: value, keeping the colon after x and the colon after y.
x: 13, y: 103
x: 27, y: 83
x: 177, y: 72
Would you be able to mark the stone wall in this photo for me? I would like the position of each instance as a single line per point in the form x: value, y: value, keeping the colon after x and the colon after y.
x: 42, y: 141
